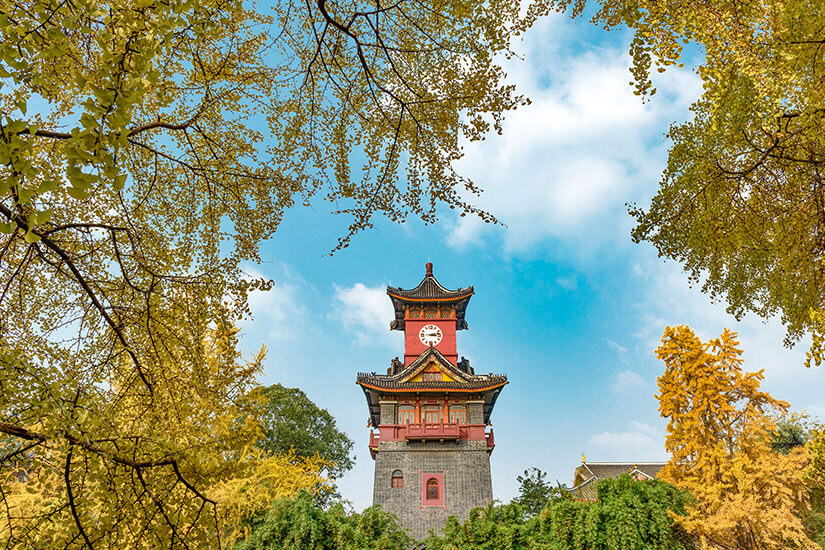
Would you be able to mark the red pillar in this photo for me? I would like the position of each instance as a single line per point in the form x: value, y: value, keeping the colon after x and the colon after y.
x: 446, y: 408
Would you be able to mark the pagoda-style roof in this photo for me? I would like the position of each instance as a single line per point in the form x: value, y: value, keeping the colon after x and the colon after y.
x: 402, y: 379
x: 487, y: 385
x: 429, y: 291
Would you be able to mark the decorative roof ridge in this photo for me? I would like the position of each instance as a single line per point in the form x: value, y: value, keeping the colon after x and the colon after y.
x: 429, y: 289
x: 390, y: 378
x: 421, y: 363
x: 582, y: 484
x: 423, y: 293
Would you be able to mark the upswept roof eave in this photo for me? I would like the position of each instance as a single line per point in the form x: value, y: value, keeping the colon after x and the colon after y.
x: 430, y: 290
x: 435, y: 386
x: 434, y: 299
x: 398, y: 382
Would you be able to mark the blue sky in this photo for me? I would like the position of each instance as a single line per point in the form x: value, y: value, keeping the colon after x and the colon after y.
x: 565, y: 305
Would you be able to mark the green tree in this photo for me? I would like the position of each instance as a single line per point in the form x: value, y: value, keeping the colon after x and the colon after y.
x: 628, y: 514
x: 147, y: 148
x: 496, y: 527
x: 300, y: 525
x: 291, y: 422
x: 792, y: 431
x: 534, y: 491
x: 740, y: 200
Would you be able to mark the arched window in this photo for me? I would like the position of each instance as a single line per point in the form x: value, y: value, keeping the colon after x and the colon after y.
x: 397, y: 479
x: 432, y: 489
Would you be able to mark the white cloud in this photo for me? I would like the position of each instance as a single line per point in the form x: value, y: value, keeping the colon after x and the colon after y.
x: 366, y: 313
x: 615, y: 346
x: 669, y: 299
x: 642, y: 443
x: 627, y: 380
x: 645, y: 428
x: 566, y: 164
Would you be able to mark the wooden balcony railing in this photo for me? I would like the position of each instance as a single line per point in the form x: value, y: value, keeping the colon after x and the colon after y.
x: 438, y: 430
x: 422, y: 431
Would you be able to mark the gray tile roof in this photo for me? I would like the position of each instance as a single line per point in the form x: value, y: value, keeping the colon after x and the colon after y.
x: 586, y: 475
x: 466, y: 381
x: 430, y: 289
x: 378, y: 381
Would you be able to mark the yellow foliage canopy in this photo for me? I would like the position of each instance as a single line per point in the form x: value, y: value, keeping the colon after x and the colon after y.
x: 147, y: 148
x: 719, y: 437
x: 116, y: 471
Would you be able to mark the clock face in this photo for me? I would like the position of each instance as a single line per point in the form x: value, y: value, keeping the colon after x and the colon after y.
x: 430, y: 335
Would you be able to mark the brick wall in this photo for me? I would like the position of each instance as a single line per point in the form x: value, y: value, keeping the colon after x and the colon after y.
x: 387, y: 412
x: 467, y: 484
x: 475, y: 412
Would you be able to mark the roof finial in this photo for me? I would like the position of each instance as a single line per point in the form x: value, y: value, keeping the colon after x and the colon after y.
x: 429, y: 267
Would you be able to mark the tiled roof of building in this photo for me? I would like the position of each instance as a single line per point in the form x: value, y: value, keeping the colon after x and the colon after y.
x: 378, y: 381
x: 586, y: 490
x: 374, y: 385
x: 398, y: 381
x: 586, y: 475
x: 429, y: 290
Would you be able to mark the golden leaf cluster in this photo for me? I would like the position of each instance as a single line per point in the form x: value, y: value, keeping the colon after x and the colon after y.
x: 719, y: 436
x: 119, y: 470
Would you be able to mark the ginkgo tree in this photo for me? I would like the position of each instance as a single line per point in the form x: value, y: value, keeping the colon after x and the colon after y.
x: 147, y: 148
x: 719, y: 434
x: 101, y: 467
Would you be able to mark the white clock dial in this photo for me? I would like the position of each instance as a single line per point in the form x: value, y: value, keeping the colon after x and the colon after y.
x: 430, y: 335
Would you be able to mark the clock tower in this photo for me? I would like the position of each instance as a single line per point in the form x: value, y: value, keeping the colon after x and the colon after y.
x: 430, y: 414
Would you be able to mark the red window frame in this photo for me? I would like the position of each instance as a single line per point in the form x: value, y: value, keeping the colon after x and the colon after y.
x: 458, y: 414
x: 406, y: 416
x: 438, y: 479
x: 397, y: 481
x: 432, y: 489
x: 433, y: 414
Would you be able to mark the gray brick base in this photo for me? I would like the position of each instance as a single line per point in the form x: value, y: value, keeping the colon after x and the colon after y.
x: 466, y: 467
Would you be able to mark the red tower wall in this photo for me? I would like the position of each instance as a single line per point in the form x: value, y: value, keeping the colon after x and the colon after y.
x: 413, y: 347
